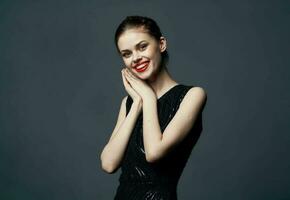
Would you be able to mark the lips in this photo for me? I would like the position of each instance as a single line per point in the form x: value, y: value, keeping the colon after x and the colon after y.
x: 142, y: 67
x: 137, y: 65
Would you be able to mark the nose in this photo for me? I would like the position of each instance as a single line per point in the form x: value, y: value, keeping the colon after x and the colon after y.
x: 136, y: 57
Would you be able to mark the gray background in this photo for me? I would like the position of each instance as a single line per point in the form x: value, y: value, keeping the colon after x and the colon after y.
x: 61, y: 88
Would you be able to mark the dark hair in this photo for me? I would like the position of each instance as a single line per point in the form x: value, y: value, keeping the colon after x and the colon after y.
x: 149, y: 25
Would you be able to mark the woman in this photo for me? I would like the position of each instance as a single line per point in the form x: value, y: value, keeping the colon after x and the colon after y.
x: 159, y: 120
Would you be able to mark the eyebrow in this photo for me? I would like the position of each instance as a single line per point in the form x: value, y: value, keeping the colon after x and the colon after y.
x: 135, y: 45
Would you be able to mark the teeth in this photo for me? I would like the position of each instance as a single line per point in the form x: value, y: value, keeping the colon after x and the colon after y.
x: 140, y: 66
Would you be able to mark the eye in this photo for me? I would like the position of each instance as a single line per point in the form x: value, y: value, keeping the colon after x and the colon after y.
x: 125, y: 55
x: 143, y: 46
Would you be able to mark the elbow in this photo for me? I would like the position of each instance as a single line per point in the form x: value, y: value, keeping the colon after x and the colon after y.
x: 150, y: 160
x: 108, y: 168
x: 151, y: 157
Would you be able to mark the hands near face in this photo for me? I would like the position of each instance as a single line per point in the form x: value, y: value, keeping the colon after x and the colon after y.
x: 137, y: 88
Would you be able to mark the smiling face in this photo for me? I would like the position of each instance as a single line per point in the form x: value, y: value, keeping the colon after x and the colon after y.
x: 141, y: 52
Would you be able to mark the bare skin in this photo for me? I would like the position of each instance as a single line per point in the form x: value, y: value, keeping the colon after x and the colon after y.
x: 145, y: 88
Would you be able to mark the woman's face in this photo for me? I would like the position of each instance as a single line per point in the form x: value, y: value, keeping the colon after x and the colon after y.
x: 140, y: 52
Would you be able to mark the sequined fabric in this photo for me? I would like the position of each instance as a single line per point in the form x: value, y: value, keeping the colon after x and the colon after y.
x: 141, y: 180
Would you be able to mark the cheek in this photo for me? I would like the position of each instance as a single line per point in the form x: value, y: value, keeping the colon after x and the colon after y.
x: 154, y: 55
x: 126, y: 62
x: 156, y: 58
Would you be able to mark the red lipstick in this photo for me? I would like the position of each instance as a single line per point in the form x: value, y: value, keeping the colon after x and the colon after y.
x: 143, y: 68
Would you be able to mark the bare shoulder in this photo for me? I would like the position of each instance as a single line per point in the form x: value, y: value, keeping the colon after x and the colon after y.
x: 195, y: 95
x: 197, y: 92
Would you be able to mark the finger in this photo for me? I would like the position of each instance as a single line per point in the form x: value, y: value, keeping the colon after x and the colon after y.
x: 126, y: 83
x: 131, y: 74
x: 128, y: 79
x: 123, y: 79
x: 128, y: 75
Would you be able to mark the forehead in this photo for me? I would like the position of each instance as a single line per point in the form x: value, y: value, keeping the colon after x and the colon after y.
x: 131, y: 37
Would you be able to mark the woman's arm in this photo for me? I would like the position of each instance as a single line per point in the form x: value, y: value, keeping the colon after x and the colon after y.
x: 113, y: 152
x: 157, y: 145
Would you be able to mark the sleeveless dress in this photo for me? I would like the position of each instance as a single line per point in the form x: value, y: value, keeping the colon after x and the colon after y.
x: 141, y: 180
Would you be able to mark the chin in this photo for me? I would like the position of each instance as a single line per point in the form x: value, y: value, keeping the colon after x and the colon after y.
x: 145, y: 75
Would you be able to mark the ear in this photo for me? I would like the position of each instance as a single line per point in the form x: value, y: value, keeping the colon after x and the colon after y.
x: 162, y: 44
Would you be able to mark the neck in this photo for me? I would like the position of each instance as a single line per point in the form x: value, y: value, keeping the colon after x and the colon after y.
x: 161, y: 82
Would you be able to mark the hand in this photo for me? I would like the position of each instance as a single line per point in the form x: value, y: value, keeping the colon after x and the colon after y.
x: 139, y: 85
x: 134, y: 95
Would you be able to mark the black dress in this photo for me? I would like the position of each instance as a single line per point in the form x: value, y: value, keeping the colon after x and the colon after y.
x: 141, y: 180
